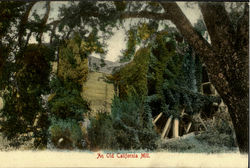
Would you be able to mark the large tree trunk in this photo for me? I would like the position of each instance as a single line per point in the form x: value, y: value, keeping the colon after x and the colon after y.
x: 226, y: 58
x: 238, y: 109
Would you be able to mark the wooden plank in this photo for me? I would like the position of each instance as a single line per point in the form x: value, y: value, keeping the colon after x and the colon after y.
x: 157, y: 118
x: 176, y: 128
x: 188, y: 127
x: 182, y: 112
x: 206, y: 83
x: 202, y: 122
x: 166, y: 128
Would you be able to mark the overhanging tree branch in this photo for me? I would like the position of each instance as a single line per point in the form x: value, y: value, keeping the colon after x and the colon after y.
x: 44, y: 21
x: 145, y: 14
x: 23, y: 22
x: 142, y: 14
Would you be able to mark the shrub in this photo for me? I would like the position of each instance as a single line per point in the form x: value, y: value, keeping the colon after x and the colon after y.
x: 213, y: 137
x: 132, y: 123
x: 128, y: 127
x: 66, y: 109
x: 132, y: 78
x: 101, y: 132
x: 220, y: 133
x: 65, y: 133
x: 179, y: 145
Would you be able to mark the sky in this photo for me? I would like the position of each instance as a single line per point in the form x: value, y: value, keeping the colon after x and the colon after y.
x: 117, y: 42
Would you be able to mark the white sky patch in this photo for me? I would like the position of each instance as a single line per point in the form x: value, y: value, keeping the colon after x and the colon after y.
x: 192, y: 13
x: 115, y: 45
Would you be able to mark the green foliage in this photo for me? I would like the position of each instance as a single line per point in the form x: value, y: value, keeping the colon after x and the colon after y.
x: 101, y: 132
x: 132, y: 78
x: 68, y: 131
x: 34, y: 69
x: 171, y: 81
x: 164, y: 70
x: 73, y: 63
x: 188, y: 71
x: 131, y: 44
x: 175, y: 80
x: 10, y: 11
x: 198, y: 73
x: 6, y: 67
x: 79, y: 14
x: 133, y: 124
x: 129, y: 126
x: 220, y: 130
x: 213, y: 137
x: 67, y: 102
x: 23, y: 102
x: 138, y: 35
x: 200, y: 27
x: 162, y: 54
x: 66, y: 106
x: 178, y: 146
x: 25, y: 69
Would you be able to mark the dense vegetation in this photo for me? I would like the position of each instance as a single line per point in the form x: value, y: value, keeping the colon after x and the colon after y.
x: 164, y: 73
x: 157, y: 80
x: 128, y: 127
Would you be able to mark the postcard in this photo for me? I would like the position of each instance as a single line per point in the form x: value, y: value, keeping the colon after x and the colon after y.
x: 124, y: 84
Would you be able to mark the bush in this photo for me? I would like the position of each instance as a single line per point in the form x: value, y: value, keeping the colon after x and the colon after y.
x: 132, y: 78
x: 220, y: 130
x: 219, y: 134
x: 128, y: 127
x: 101, y: 132
x: 65, y: 134
x: 179, y: 145
x: 213, y: 137
x: 66, y: 109
x: 133, y: 124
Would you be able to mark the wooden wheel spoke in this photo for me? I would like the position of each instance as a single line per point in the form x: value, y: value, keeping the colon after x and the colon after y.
x: 157, y: 118
x: 167, y: 127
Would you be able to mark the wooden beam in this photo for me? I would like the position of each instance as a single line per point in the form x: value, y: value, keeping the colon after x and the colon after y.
x: 166, y: 128
x: 183, y: 112
x: 176, y: 128
x: 206, y: 83
x: 157, y: 118
x: 188, y: 127
x: 202, y: 122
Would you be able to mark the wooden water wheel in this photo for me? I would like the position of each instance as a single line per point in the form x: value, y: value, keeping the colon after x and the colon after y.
x: 170, y: 127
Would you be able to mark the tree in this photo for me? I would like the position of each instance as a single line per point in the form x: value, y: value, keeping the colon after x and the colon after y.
x: 226, y: 58
x: 25, y: 69
x: 25, y: 76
